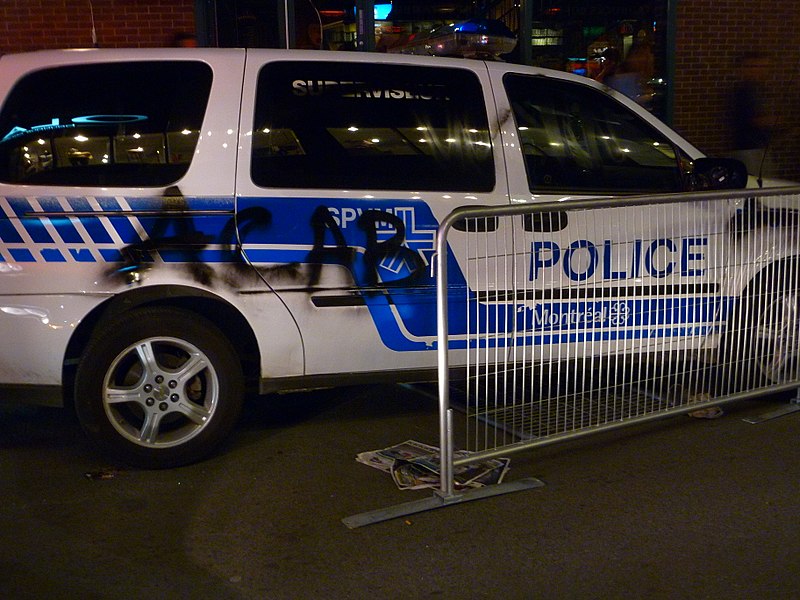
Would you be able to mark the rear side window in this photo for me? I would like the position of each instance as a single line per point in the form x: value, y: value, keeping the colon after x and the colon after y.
x: 130, y: 124
x: 366, y: 126
x: 576, y: 138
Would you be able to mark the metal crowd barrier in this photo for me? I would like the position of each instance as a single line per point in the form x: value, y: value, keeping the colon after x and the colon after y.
x: 557, y: 320
x: 562, y: 319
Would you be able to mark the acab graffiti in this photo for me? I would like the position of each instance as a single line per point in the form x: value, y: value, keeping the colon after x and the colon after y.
x: 381, y: 236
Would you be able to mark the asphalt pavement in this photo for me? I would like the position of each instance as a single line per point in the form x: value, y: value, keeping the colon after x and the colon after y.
x: 680, y: 508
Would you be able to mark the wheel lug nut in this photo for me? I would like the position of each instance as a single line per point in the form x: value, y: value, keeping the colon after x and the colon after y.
x: 174, y: 397
x: 150, y: 402
x: 159, y: 379
x: 148, y: 388
x: 163, y: 406
x: 172, y: 384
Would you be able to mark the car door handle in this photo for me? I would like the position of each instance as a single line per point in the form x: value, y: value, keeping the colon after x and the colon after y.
x: 547, y: 221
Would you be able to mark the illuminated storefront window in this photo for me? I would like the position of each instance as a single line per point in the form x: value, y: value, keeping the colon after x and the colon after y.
x: 579, y: 36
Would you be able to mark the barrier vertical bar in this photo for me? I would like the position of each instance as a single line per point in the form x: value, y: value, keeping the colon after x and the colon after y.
x: 443, y: 364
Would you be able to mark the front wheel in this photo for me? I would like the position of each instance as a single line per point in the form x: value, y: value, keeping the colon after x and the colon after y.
x: 159, y: 387
x: 762, y: 344
x: 776, y: 335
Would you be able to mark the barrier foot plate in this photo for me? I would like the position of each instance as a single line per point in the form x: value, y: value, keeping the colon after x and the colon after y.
x: 438, y: 501
x: 780, y: 412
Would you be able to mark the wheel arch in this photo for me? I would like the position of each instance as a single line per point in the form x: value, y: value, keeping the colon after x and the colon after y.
x: 222, y: 313
x: 744, y: 285
x: 784, y: 266
x: 746, y: 302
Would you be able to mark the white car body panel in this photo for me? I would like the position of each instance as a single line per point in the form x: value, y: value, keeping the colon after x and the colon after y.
x: 337, y: 328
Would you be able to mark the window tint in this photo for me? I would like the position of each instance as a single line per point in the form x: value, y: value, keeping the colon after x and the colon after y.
x: 110, y: 124
x: 575, y: 138
x: 366, y: 126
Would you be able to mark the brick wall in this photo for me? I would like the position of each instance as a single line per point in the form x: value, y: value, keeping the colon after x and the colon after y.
x: 711, y: 35
x: 39, y: 24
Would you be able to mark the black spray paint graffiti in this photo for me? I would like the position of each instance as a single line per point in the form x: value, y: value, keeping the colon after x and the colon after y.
x: 137, y: 257
x: 177, y: 219
x: 341, y: 253
x: 375, y: 250
x: 183, y: 237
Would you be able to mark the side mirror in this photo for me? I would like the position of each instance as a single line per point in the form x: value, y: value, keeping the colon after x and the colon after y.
x: 716, y: 174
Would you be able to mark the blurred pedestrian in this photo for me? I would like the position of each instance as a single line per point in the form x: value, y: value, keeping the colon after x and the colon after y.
x: 751, y: 122
x: 609, y: 63
x: 633, y: 75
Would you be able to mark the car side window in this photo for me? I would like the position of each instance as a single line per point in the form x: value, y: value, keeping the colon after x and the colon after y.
x: 576, y: 138
x: 367, y: 126
x: 119, y: 124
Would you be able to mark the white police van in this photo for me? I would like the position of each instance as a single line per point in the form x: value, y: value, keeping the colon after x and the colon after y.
x: 181, y: 225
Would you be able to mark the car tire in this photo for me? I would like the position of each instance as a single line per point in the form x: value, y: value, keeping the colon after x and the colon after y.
x: 762, y: 339
x: 159, y: 387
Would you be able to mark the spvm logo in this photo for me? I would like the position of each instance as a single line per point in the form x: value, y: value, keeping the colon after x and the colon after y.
x: 415, y: 236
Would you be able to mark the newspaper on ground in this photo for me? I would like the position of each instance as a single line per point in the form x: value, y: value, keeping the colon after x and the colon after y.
x: 414, y: 465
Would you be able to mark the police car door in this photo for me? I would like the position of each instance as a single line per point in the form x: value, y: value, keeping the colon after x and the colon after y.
x: 613, y: 275
x: 350, y: 164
